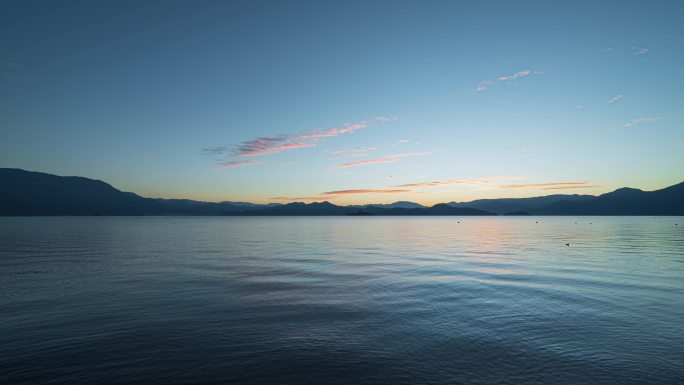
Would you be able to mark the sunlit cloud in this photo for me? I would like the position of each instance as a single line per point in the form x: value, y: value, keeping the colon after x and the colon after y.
x: 568, y: 187
x: 238, y: 163
x: 328, y: 195
x: 383, y: 159
x: 352, y: 128
x: 547, y: 186
x: 272, y: 145
x: 472, y: 182
x: 318, y: 134
x: 365, y: 191
x: 609, y: 49
x: 615, y: 98
x: 429, y: 184
x: 638, y: 50
x: 353, y: 151
x: 517, y: 75
x: 638, y: 121
x: 267, y: 146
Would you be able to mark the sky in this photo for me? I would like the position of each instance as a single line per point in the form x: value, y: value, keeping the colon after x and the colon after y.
x: 345, y: 101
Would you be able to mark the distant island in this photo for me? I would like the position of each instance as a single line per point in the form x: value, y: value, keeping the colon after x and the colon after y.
x: 27, y: 193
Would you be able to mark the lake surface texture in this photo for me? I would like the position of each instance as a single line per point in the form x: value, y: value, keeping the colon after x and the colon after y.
x: 342, y: 300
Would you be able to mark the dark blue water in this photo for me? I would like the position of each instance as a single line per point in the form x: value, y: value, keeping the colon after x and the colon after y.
x: 342, y: 300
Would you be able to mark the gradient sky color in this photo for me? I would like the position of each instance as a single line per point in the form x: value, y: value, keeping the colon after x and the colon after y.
x: 347, y: 101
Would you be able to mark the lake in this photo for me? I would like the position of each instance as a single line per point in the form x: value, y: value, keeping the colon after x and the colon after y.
x: 342, y: 300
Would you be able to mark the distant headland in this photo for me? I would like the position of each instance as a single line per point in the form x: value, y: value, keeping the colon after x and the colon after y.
x: 27, y: 193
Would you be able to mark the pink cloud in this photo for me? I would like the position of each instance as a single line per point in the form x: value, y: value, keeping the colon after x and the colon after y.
x: 350, y: 128
x: 318, y: 134
x: 383, y: 159
x: 237, y: 163
x: 346, y: 129
x: 429, y: 184
x: 476, y: 182
x: 328, y: 195
x: 274, y: 144
x: 357, y: 151
x: 365, y: 191
x: 269, y: 145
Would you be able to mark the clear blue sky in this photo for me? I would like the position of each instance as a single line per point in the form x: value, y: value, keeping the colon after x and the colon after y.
x: 256, y: 100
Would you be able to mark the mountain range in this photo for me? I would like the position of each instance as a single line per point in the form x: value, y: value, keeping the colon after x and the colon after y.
x: 27, y: 193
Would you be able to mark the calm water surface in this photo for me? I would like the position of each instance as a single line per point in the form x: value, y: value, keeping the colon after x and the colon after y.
x: 316, y: 300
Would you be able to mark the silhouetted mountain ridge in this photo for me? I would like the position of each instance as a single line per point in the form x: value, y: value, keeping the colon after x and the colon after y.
x: 35, y: 193
x: 510, y: 205
x: 624, y: 201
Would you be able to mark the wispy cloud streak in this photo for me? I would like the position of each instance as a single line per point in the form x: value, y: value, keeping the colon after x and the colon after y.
x: 304, y: 199
x: 353, y: 151
x: 482, y: 86
x: 548, y: 186
x: 383, y: 159
x: 268, y: 145
x: 476, y: 182
x: 329, y: 195
x: 517, y: 75
x: 615, y: 98
x: 348, y: 129
x: 366, y: 191
x: 639, y: 50
x: 238, y: 163
x: 568, y: 187
x: 638, y: 121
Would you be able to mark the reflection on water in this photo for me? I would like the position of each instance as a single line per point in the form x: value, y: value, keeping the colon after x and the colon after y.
x: 342, y: 300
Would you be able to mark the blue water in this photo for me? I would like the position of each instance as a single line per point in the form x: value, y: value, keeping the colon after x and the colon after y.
x: 342, y: 300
